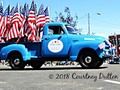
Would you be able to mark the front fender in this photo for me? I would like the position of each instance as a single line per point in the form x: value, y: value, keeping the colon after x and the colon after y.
x: 15, y: 47
x: 77, y: 47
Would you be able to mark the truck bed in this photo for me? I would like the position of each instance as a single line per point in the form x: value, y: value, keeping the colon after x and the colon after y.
x: 33, y: 47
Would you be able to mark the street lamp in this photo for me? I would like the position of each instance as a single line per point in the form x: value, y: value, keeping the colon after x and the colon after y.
x: 89, y: 22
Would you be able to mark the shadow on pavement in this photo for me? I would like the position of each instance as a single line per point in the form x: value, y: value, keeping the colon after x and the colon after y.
x: 53, y: 68
x: 68, y: 68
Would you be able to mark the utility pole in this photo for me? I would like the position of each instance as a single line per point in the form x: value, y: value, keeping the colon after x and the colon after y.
x: 89, y: 31
x: 88, y: 23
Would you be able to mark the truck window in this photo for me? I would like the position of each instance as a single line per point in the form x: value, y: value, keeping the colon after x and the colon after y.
x: 55, y: 30
x: 71, y: 30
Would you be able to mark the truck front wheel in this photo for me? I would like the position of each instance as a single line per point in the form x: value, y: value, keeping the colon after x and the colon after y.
x: 100, y: 62
x: 16, y: 62
x: 88, y: 59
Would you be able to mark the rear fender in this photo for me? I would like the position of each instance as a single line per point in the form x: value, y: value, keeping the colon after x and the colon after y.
x: 15, y: 47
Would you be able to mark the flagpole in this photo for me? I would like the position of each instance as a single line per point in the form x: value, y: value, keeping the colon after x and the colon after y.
x: 88, y: 23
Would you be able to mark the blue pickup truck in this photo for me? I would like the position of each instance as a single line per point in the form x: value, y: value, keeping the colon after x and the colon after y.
x: 59, y: 42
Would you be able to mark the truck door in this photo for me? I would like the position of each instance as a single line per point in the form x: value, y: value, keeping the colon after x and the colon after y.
x: 54, y: 43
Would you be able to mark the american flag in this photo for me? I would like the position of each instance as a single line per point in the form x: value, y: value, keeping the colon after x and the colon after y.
x: 26, y: 27
x: 31, y: 23
x: 5, y: 27
x: 18, y: 21
x: 1, y: 13
x: 31, y: 17
x: 1, y: 9
x: 1, y: 17
x: 12, y: 13
x: 14, y: 31
x: 101, y: 45
x: 21, y: 22
x: 47, y: 18
x: 16, y: 15
x: 25, y: 10
x: 40, y: 21
x: 1, y: 20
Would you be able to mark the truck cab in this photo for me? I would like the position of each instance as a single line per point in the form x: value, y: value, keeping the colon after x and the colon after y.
x: 55, y: 41
x: 61, y: 40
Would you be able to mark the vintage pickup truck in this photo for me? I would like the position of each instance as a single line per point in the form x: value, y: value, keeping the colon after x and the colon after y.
x: 58, y: 42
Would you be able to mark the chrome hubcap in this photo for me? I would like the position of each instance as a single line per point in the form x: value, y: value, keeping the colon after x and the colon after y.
x: 88, y: 59
x: 17, y: 61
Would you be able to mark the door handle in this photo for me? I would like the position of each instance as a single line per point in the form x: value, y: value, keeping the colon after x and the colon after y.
x: 59, y: 37
x: 47, y: 38
x: 75, y: 40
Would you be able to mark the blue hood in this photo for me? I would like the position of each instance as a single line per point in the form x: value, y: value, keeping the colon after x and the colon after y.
x: 87, y: 38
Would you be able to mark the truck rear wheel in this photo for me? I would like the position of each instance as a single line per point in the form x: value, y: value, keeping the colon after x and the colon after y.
x: 16, y: 62
x: 88, y: 59
x: 36, y: 64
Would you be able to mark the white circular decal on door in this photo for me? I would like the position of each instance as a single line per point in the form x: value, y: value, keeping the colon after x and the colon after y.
x: 55, y: 45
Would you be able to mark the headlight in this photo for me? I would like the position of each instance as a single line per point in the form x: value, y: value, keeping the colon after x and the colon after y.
x: 101, y: 45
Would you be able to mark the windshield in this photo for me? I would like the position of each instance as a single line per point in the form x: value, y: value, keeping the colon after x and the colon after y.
x: 71, y: 30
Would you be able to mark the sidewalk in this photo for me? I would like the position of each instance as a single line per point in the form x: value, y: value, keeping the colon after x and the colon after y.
x: 3, y: 66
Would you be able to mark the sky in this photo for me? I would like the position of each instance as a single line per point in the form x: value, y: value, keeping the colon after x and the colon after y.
x: 105, y: 24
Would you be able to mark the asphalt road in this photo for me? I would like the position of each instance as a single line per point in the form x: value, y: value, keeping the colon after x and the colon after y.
x: 107, y: 77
